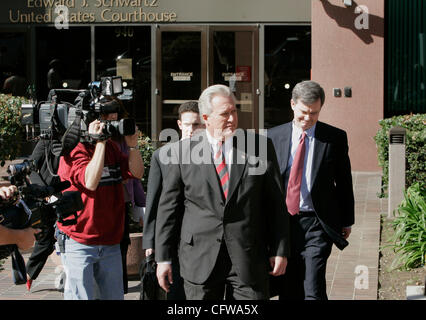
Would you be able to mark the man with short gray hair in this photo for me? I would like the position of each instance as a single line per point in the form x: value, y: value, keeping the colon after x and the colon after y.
x: 231, y: 225
x: 316, y: 173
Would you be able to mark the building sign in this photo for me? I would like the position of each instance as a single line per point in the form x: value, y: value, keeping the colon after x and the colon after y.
x: 231, y: 76
x: 86, y: 11
x: 153, y: 11
x: 181, y: 76
x: 244, y: 72
x: 124, y: 68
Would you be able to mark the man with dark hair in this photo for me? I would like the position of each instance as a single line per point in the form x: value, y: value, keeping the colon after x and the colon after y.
x: 189, y: 119
x: 316, y: 173
x: 188, y: 122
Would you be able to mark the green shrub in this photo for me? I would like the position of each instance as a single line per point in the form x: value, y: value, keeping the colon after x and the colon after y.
x: 146, y: 148
x: 409, y: 239
x: 415, y: 150
x: 11, y: 129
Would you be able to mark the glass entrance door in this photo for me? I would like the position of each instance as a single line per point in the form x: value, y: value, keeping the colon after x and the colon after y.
x: 234, y: 62
x: 191, y: 58
x: 181, y: 70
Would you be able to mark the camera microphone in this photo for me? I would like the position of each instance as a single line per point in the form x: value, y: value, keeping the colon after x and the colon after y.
x: 44, y: 192
x: 59, y: 187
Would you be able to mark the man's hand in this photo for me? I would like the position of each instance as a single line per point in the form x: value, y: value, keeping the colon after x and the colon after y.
x: 94, y: 169
x: 164, y: 276
x: 148, y: 252
x: 136, y: 166
x: 96, y: 127
x: 26, y: 237
x: 132, y: 141
x: 346, y: 232
x: 7, y: 192
x: 23, y: 238
x: 278, y: 265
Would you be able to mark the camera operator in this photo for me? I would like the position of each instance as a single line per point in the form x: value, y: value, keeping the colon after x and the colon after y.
x: 90, y: 249
x: 23, y: 238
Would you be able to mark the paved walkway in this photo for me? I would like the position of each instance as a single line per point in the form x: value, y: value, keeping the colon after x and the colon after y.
x: 352, y: 274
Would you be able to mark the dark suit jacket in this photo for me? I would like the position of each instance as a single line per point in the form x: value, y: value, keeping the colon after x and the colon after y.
x: 155, y: 185
x: 252, y: 221
x: 158, y: 170
x: 332, y: 192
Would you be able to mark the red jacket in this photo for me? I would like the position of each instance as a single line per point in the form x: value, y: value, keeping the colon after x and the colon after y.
x: 101, y: 222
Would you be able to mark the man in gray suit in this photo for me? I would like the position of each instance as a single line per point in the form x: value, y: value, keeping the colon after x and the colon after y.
x: 224, y: 200
x: 188, y: 122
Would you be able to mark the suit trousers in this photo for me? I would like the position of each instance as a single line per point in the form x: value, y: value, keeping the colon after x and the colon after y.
x: 224, y: 283
x: 306, y: 269
x: 177, y: 291
x: 124, y: 246
x: 43, y: 248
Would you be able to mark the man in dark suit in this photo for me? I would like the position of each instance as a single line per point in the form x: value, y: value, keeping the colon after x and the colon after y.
x: 318, y: 188
x: 229, y: 198
x: 188, y: 122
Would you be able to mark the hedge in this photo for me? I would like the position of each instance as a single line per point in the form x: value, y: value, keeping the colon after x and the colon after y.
x: 415, y: 150
x: 11, y: 129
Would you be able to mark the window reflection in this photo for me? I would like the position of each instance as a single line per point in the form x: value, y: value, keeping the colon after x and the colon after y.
x: 287, y: 62
x: 13, y: 72
x: 63, y: 59
x: 126, y: 51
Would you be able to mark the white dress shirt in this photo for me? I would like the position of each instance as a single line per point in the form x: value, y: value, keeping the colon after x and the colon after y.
x: 227, y: 149
x: 305, y: 189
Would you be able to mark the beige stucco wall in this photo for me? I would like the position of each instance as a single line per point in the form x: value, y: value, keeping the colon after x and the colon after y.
x: 344, y: 56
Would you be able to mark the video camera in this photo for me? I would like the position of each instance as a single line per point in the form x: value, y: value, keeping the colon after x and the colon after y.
x: 70, y: 122
x: 29, y: 207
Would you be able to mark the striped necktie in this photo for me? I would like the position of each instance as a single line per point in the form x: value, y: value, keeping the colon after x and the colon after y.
x: 222, y: 169
x: 295, y: 179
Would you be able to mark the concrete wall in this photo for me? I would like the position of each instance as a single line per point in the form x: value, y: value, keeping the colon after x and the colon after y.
x: 344, y: 55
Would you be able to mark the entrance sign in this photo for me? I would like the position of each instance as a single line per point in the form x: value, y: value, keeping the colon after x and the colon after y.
x: 181, y: 76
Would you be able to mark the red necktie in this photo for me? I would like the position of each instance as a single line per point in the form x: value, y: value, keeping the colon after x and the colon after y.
x: 222, y: 169
x: 295, y: 179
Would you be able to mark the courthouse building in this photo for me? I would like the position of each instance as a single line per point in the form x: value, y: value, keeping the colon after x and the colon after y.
x: 368, y: 55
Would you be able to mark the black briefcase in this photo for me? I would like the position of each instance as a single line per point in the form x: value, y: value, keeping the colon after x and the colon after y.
x: 150, y: 289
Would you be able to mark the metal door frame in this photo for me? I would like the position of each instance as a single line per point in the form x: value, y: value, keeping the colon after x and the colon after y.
x: 206, y: 65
